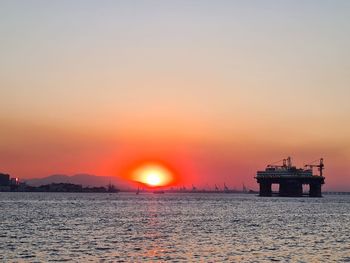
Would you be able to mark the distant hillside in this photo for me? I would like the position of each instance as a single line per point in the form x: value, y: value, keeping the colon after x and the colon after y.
x: 83, y: 179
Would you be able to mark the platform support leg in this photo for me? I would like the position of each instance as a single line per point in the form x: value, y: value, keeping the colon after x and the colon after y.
x: 265, y: 189
x: 315, y: 190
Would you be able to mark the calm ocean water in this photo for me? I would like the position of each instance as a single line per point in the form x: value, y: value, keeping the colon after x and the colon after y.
x: 78, y: 227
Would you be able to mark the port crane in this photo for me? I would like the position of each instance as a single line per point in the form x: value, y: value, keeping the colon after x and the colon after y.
x: 244, y: 188
x: 312, y: 165
x: 226, y: 188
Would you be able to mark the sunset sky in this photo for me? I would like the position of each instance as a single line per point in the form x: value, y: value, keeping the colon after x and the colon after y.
x: 213, y: 89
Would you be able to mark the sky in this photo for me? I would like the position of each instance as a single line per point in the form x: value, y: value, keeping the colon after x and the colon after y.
x: 215, y: 89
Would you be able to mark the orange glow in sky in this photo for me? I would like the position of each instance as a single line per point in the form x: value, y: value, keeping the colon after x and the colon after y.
x: 152, y: 174
x: 201, y: 94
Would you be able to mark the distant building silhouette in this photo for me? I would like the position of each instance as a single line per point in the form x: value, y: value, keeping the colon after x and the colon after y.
x: 4, y: 179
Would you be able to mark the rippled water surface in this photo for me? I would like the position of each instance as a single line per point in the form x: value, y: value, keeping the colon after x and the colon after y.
x: 37, y: 227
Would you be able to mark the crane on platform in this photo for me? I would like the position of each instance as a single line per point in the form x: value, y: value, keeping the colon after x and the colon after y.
x: 286, y: 163
x: 312, y: 165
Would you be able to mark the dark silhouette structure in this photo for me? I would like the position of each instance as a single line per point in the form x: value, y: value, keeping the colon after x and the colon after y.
x: 291, y: 179
x: 4, y: 179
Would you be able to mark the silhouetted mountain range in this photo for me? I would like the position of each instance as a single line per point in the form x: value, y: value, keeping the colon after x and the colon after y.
x: 82, y: 179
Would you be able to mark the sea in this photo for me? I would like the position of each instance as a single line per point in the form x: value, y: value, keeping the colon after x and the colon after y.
x: 173, y: 227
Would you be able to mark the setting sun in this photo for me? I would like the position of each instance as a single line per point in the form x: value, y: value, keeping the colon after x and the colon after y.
x: 152, y: 174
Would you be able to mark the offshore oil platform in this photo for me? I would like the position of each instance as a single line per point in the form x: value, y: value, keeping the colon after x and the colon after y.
x: 291, y: 179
